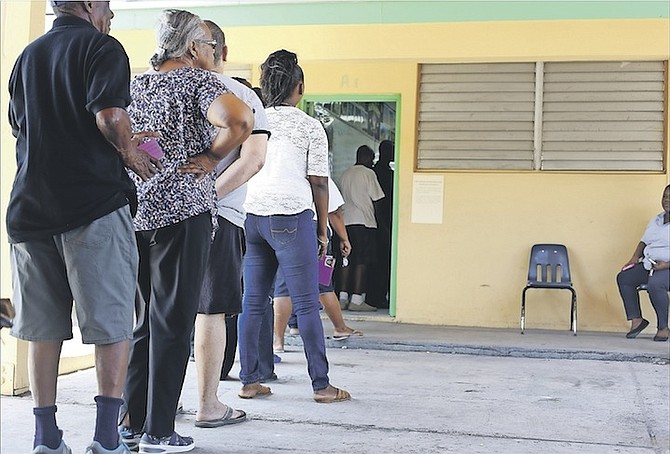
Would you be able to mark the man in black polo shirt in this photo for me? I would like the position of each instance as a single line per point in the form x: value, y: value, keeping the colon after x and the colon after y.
x: 68, y: 219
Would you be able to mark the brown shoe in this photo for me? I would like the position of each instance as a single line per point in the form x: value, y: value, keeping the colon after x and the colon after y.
x: 340, y: 396
x: 254, y: 390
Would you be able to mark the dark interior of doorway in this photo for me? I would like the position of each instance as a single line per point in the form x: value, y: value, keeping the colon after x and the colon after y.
x: 350, y: 123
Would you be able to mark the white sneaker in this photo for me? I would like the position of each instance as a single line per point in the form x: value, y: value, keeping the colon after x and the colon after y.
x: 158, y: 445
x: 363, y: 307
x: 61, y: 449
x: 130, y: 437
x: 344, y: 301
x: 97, y: 448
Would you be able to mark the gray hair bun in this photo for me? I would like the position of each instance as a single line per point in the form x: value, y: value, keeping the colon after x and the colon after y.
x: 175, y: 31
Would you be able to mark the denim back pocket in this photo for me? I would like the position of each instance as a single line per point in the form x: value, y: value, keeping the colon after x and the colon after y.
x: 284, y: 229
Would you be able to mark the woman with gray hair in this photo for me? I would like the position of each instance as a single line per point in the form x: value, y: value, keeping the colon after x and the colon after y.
x: 200, y: 122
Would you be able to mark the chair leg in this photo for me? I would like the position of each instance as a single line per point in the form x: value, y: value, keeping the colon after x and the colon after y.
x: 573, y: 314
x: 573, y: 311
x: 523, y: 310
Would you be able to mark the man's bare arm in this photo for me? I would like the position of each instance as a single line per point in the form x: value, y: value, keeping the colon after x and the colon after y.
x: 114, y: 124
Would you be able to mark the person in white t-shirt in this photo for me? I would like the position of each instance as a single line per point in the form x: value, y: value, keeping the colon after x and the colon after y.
x: 279, y: 228
x: 362, y: 195
x: 221, y: 296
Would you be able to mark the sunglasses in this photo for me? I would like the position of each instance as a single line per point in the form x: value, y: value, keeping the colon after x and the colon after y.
x: 211, y: 42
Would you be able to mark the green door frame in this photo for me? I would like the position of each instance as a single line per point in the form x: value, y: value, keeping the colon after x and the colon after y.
x: 394, y: 238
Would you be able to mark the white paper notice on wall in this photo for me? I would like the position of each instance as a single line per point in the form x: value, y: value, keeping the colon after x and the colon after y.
x: 427, y: 199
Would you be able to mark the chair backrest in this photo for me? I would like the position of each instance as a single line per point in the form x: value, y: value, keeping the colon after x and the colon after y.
x: 549, y: 266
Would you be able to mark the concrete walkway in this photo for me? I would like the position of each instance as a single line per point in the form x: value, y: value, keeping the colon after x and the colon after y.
x: 425, y: 389
x: 383, y: 333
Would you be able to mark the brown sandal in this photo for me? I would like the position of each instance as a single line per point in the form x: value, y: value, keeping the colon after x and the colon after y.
x: 254, y: 390
x: 340, y: 396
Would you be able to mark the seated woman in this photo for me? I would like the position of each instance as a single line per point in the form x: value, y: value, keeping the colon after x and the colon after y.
x: 650, y: 264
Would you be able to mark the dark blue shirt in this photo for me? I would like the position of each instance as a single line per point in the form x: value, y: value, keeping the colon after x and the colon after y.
x: 68, y: 174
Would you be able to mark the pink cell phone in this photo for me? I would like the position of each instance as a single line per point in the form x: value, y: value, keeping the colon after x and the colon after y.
x: 152, y: 148
x: 627, y: 267
x: 326, y: 266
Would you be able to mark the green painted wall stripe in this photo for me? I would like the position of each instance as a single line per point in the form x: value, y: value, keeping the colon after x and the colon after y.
x: 402, y: 12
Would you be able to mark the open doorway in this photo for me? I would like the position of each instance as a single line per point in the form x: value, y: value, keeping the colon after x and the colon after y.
x: 349, y: 123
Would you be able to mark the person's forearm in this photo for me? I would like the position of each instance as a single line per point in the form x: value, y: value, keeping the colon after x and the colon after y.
x: 337, y: 223
x: 229, y: 137
x: 639, y: 251
x: 114, y: 124
x: 660, y: 265
x: 319, y: 187
x: 250, y: 162
x: 235, y: 122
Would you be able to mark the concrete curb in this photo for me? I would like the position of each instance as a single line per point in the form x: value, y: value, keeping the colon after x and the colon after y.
x: 488, y: 350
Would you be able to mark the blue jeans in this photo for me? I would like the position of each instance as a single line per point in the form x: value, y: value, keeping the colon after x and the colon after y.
x: 266, y: 363
x: 288, y: 242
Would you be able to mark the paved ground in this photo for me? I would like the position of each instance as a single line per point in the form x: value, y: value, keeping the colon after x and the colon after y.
x: 414, y: 392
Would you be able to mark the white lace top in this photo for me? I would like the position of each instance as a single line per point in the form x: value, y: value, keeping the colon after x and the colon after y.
x: 298, y: 147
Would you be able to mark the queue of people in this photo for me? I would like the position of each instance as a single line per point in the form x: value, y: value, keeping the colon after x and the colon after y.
x: 134, y: 206
x: 159, y: 236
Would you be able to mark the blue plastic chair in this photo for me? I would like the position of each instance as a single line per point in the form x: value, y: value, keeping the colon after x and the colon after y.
x: 549, y: 268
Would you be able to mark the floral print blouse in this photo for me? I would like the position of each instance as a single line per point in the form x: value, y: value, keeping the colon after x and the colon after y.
x: 174, y: 104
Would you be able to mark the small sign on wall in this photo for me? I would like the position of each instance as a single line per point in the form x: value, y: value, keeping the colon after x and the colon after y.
x: 427, y: 199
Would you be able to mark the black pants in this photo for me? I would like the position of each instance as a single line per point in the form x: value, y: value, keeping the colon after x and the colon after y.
x: 172, y: 263
x: 658, y: 286
x: 231, y: 345
x: 379, y: 274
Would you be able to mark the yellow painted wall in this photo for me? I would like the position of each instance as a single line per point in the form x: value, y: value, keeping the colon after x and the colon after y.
x: 470, y: 270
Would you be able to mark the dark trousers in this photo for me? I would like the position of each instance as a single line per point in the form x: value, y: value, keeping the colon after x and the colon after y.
x: 658, y: 285
x: 172, y: 263
x: 231, y: 345
x: 379, y: 274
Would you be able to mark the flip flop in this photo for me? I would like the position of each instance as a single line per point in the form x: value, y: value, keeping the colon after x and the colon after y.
x: 348, y: 335
x: 224, y: 420
x: 340, y: 396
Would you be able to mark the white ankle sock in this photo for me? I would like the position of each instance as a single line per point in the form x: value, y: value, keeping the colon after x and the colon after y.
x: 357, y: 299
x: 344, y: 297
